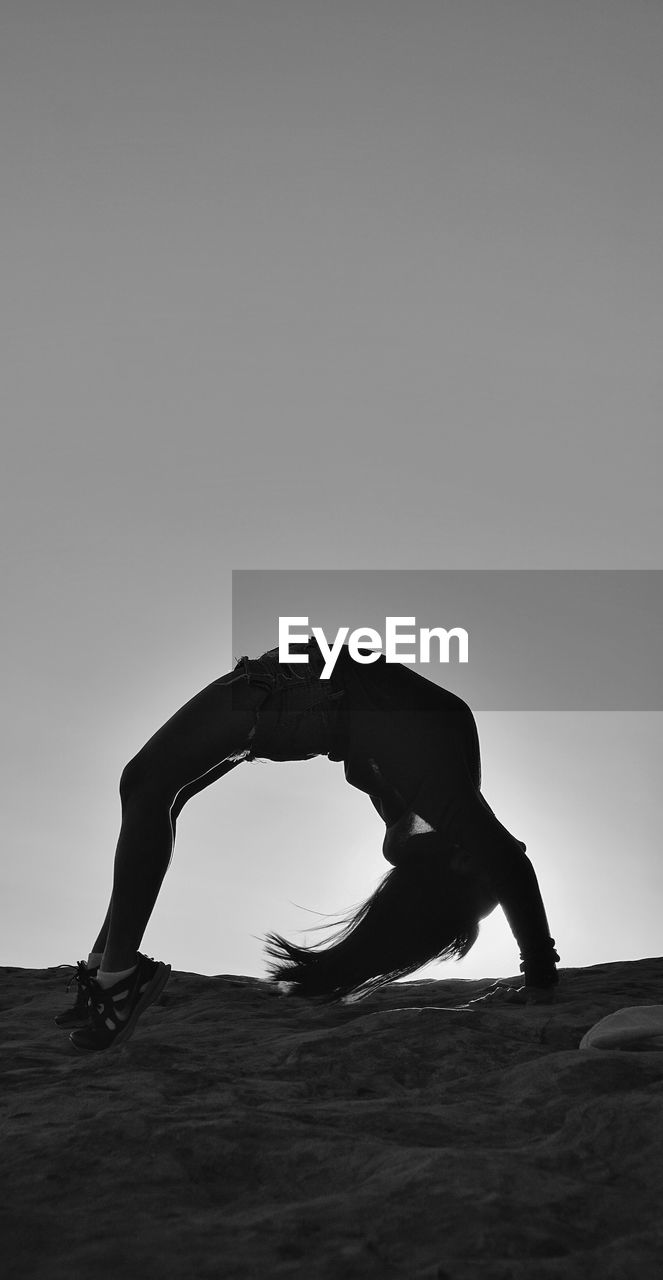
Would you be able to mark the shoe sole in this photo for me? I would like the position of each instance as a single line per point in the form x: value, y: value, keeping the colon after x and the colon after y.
x: 151, y: 993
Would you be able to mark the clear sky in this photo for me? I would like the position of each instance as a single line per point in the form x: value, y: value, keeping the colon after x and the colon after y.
x: 324, y: 285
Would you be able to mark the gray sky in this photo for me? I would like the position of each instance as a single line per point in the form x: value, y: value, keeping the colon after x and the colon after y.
x: 316, y: 285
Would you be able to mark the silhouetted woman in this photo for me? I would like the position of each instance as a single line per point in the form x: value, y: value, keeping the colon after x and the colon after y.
x: 411, y: 746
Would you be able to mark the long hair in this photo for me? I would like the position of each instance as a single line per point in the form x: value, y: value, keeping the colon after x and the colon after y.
x: 422, y: 910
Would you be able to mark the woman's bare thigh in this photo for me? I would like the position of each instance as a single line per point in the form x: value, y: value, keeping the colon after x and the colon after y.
x: 213, y: 726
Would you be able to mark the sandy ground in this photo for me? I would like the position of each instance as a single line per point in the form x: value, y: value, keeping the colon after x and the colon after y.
x: 245, y: 1134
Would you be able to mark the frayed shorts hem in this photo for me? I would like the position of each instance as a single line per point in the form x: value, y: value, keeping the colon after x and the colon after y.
x: 298, y: 717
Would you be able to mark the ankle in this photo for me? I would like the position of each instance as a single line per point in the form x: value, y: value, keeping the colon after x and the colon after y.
x: 118, y: 961
x: 107, y: 979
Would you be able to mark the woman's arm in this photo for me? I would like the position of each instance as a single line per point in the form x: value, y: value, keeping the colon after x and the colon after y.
x: 516, y: 888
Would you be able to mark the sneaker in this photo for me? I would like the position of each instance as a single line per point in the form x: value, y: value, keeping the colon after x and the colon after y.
x: 114, y: 1012
x: 78, y: 1016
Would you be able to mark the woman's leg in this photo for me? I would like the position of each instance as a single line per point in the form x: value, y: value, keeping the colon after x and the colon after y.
x: 181, y: 799
x: 188, y: 753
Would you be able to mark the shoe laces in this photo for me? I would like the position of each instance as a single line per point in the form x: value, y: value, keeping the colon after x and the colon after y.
x: 82, y: 977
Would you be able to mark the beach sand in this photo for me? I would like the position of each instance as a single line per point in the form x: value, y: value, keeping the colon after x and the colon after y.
x: 241, y: 1134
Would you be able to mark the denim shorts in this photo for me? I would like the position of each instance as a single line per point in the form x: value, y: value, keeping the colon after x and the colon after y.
x: 299, y: 716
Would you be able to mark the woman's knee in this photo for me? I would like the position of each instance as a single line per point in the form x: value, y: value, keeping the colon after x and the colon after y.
x: 143, y: 776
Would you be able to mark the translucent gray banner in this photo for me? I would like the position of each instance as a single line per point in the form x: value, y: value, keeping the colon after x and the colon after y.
x: 545, y: 639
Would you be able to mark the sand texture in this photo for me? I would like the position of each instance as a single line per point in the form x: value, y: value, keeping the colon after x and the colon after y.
x: 243, y: 1134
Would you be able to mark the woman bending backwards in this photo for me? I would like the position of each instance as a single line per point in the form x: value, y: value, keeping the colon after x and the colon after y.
x: 411, y: 746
